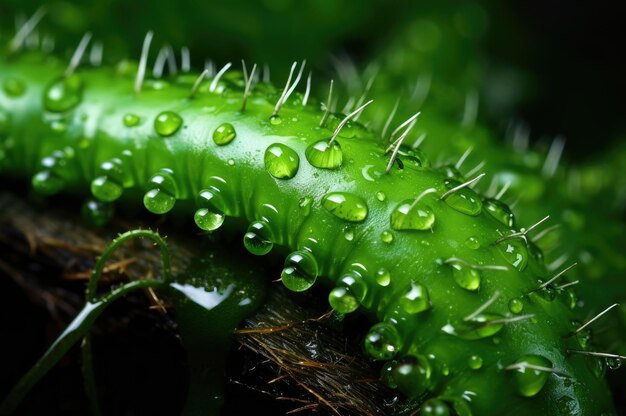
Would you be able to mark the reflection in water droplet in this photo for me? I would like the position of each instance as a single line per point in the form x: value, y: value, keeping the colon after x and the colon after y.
x: 475, y: 362
x: 463, y: 200
x: 161, y: 195
x: 383, y: 277
x: 473, y: 243
x: 167, y: 123
x: 500, y: 211
x: 324, y: 156
x: 516, y: 305
x: 281, y: 161
x: 300, y: 271
x: 224, y: 134
x: 345, y: 206
x: 413, y: 375
x: 210, y: 214
x: 383, y: 341
x: 386, y: 236
x: 107, y: 186
x: 465, y: 276
x: 131, y: 120
x: 409, y: 215
x: 63, y: 94
x: 530, y: 380
x: 435, y: 407
x: 258, y: 239
x: 515, y: 252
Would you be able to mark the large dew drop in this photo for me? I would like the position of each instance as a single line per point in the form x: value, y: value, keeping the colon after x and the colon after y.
x: 281, y: 161
x: 258, y: 239
x: 324, y: 156
x: 481, y: 326
x: 383, y: 341
x: 300, y: 271
x: 412, y: 374
x: 224, y: 134
x: 63, y: 94
x: 463, y: 200
x: 531, y: 374
x: 107, y: 186
x: 167, y: 123
x: 500, y: 211
x: 515, y: 252
x: 161, y: 195
x: 409, y: 215
x: 345, y: 206
x: 210, y: 215
x: 465, y: 276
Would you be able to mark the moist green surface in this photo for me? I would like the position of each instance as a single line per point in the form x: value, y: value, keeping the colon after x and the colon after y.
x: 439, y: 276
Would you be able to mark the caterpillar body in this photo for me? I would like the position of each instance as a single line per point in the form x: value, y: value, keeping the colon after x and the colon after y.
x: 468, y: 321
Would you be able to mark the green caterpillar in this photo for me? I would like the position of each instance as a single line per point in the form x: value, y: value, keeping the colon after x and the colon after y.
x: 587, y: 231
x: 468, y: 318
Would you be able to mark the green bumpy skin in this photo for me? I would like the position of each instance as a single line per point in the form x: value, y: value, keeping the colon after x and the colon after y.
x: 461, y: 320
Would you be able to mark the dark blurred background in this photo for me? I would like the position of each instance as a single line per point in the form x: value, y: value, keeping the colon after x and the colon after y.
x: 561, y: 63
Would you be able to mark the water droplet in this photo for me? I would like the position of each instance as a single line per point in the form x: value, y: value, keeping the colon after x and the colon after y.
x: 281, y: 161
x: 258, y: 239
x: 161, y: 195
x: 224, y: 134
x: 305, y: 205
x: 413, y: 375
x: 475, y: 362
x: 383, y: 341
x: 482, y: 326
x: 14, y: 87
x: 473, y: 243
x: 47, y: 182
x: 415, y: 300
x: 530, y: 381
x: 345, y: 206
x: 355, y: 283
x: 107, y: 186
x: 63, y: 94
x: 167, y: 123
x: 386, y: 236
x: 97, y: 213
x: 300, y: 272
x: 386, y: 374
x: 516, y: 305
x: 210, y: 215
x: 614, y: 363
x: 275, y: 120
x: 409, y: 215
x: 463, y: 200
x: 465, y: 276
x: 435, y: 407
x: 380, y: 195
x: 348, y: 233
x: 342, y: 300
x: 500, y: 211
x: 131, y: 120
x: 324, y: 156
x: 515, y: 252
x: 383, y: 277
